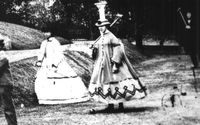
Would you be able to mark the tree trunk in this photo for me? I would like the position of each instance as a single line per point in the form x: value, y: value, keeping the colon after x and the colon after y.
x: 198, y: 31
x: 139, y: 24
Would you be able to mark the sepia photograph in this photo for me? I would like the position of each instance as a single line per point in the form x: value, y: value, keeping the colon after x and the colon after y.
x: 99, y: 62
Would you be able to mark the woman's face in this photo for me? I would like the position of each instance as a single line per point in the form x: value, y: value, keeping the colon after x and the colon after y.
x: 102, y: 29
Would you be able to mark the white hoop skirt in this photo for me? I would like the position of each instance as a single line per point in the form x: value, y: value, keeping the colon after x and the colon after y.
x: 62, y: 86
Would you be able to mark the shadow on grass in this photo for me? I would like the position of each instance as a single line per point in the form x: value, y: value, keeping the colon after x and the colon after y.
x: 153, y: 49
x: 196, y: 85
x: 22, y: 95
x: 126, y: 110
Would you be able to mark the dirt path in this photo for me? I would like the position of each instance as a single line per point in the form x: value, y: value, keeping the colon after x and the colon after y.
x: 17, y: 55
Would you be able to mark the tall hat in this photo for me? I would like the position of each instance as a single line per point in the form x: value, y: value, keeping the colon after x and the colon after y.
x: 101, y: 9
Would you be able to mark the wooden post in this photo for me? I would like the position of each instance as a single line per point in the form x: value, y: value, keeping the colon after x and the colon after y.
x: 163, y: 22
x: 198, y: 29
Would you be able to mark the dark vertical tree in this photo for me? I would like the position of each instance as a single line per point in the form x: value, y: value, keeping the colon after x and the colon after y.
x: 139, y: 23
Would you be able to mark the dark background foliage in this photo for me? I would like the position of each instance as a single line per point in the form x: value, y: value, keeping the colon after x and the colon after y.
x: 75, y: 19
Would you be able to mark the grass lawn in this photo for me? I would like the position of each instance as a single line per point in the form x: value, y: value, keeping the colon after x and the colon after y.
x: 164, y: 76
x: 160, y: 73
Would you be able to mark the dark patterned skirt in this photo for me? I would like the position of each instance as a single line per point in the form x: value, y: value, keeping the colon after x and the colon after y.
x: 126, y: 90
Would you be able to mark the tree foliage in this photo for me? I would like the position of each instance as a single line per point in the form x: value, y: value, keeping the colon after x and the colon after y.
x: 78, y: 17
x: 65, y: 16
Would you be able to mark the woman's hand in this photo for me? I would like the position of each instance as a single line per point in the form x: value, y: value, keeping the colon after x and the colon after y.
x: 54, y: 68
x: 38, y: 64
x: 115, y: 68
x: 94, y: 53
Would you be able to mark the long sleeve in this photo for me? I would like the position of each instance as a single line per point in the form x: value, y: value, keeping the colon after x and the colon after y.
x: 57, y: 54
x: 117, y: 50
x: 5, y: 74
x: 3, y: 63
x: 119, y: 56
x: 41, y: 54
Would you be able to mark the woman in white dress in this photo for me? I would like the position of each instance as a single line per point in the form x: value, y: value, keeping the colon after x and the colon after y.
x: 56, y: 82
